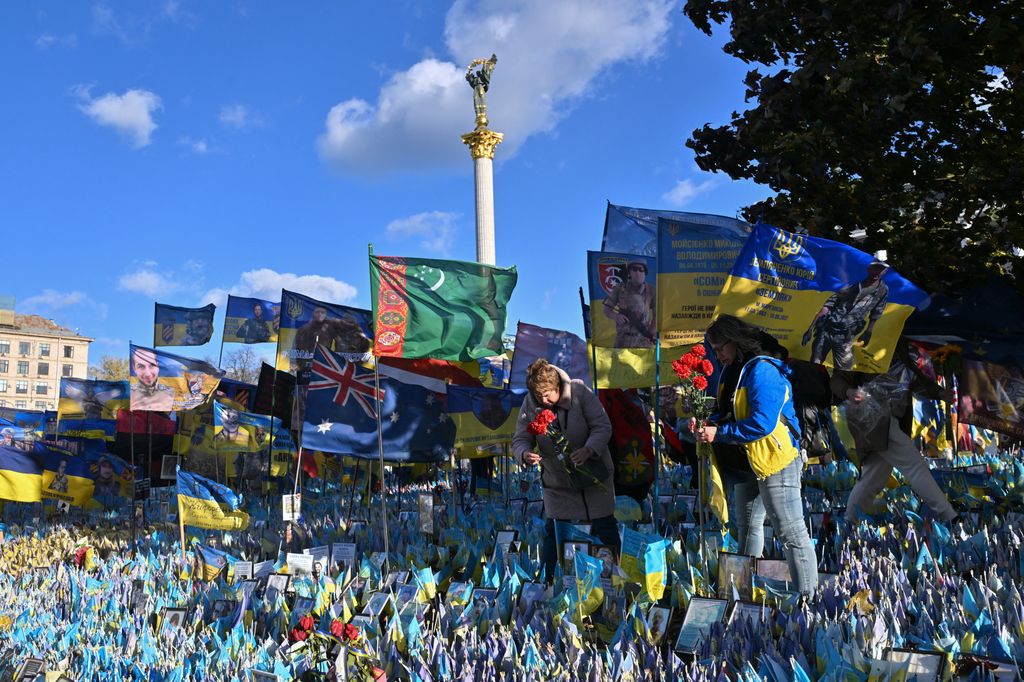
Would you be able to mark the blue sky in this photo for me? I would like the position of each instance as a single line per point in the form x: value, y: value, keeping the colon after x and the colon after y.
x: 174, y: 150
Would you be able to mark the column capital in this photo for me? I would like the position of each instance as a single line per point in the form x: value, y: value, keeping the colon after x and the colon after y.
x: 481, y: 142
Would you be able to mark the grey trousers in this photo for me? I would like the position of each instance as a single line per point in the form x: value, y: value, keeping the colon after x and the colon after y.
x: 876, y: 468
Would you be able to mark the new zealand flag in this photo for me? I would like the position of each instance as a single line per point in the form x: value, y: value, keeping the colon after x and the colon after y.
x: 341, y: 414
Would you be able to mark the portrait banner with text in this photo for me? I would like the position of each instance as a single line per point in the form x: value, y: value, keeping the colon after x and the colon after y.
x: 177, y: 326
x: 695, y: 256
x: 623, y: 330
x: 251, y: 320
x: 826, y: 302
x: 307, y: 322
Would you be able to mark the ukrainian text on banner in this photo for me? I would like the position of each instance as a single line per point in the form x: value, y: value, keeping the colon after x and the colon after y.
x: 561, y: 348
x: 483, y: 416
x: 80, y: 479
x: 306, y: 322
x: 162, y: 382
x: 452, y: 310
x: 824, y: 301
x: 622, y: 297
x: 251, y: 320
x: 695, y: 255
x: 635, y: 230
x: 176, y: 326
x: 992, y: 396
x: 88, y: 399
x: 206, y: 504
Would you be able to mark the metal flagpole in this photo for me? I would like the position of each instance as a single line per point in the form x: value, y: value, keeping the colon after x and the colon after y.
x: 380, y: 452
x: 131, y: 419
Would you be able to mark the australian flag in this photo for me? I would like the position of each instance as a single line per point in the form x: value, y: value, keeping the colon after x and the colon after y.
x: 341, y: 413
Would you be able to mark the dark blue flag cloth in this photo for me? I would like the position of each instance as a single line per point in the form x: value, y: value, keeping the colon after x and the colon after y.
x: 341, y: 409
x: 561, y: 348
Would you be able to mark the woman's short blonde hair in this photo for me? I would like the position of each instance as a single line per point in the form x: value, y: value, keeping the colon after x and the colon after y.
x: 541, y: 376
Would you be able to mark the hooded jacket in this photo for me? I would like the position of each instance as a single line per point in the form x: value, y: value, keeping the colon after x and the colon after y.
x: 763, y: 397
x: 584, y: 423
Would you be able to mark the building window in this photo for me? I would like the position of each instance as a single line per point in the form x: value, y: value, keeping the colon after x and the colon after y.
x: 67, y: 370
x: 21, y: 404
x: 23, y: 367
x: 21, y: 387
x: 4, y: 367
x: 3, y: 385
x: 42, y: 387
x: 5, y: 347
x: 44, y: 350
x: 69, y: 351
x: 43, y: 369
x: 24, y: 347
x: 40, y: 405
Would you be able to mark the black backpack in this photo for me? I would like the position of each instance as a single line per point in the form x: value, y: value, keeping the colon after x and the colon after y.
x: 812, y: 400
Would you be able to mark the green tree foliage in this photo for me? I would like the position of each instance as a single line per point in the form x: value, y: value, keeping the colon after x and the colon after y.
x: 900, y: 119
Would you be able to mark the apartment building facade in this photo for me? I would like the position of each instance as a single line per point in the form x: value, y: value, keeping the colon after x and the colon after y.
x: 34, y: 354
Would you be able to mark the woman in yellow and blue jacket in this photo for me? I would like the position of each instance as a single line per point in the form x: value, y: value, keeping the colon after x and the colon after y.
x: 761, y: 420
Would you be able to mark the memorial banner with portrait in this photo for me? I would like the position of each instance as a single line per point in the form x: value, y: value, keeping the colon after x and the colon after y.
x: 695, y: 256
x: 162, y: 382
x: 306, y: 322
x: 483, y: 416
x: 80, y: 479
x: 622, y: 319
x: 826, y: 302
x: 91, y: 399
x: 561, y: 348
x: 176, y: 326
x: 251, y: 320
x: 992, y: 396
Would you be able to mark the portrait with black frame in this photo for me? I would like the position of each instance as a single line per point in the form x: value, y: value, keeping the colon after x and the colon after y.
x: 735, y: 572
x: 701, y: 614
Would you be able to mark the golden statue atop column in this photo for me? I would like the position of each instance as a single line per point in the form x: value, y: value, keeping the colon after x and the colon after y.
x: 481, y: 143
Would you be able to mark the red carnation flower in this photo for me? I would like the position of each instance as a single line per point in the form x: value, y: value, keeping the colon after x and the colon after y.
x: 689, y: 359
x: 700, y: 383
x: 539, y: 425
x: 297, y: 635
x: 684, y: 372
x: 707, y: 367
x: 698, y: 350
x: 306, y: 622
x: 338, y: 628
x: 351, y: 632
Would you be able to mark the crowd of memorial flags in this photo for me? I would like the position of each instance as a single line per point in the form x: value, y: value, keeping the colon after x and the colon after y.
x: 323, y: 523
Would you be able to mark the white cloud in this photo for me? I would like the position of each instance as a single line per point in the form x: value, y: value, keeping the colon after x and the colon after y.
x: 685, y: 191
x: 195, y: 146
x: 436, y: 230
x: 239, y: 117
x: 131, y: 114
x: 146, y: 280
x: 51, y: 301
x: 267, y: 284
x: 549, y: 55
x: 47, y: 40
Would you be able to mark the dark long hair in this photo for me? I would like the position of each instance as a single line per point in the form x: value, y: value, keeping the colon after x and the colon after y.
x: 749, y: 340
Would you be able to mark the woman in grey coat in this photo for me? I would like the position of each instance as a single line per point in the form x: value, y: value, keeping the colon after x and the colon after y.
x: 586, y: 427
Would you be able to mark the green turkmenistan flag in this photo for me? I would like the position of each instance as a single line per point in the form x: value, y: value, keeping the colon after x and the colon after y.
x: 444, y: 309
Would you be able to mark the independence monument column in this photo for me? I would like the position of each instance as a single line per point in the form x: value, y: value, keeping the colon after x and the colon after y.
x: 481, y: 143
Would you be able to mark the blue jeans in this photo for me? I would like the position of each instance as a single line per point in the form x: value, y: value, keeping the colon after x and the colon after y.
x: 747, y: 510
x: 780, y: 494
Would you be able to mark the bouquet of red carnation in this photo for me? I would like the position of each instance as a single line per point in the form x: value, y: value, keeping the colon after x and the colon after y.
x: 586, y: 475
x: 693, y: 370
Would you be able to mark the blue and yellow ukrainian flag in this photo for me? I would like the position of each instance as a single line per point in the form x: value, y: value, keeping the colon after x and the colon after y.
x: 91, y: 399
x: 242, y: 324
x: 207, y: 504
x: 20, y: 475
x: 177, y: 326
x: 67, y: 477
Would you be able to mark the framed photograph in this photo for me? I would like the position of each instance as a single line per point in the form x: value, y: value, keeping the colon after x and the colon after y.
x: 569, y: 550
x: 223, y: 608
x: 260, y: 676
x: 700, y: 616
x: 243, y: 571
x: 173, y: 618
x: 344, y: 554
x: 917, y: 665
x: 406, y: 594
x: 459, y: 593
x: 609, y: 561
x: 277, y: 583
x: 506, y: 537
x: 168, y: 468
x: 776, y: 569
x: 248, y: 588
x: 748, y: 609
x: 299, y: 564
x: 534, y: 508
x: 735, y: 576
x: 518, y: 505
x: 530, y: 595
x: 687, y: 505
x: 376, y: 604
x: 302, y: 605
x: 665, y: 508
x: 138, y: 600
x: 291, y: 507
x: 657, y: 623
x: 28, y: 671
